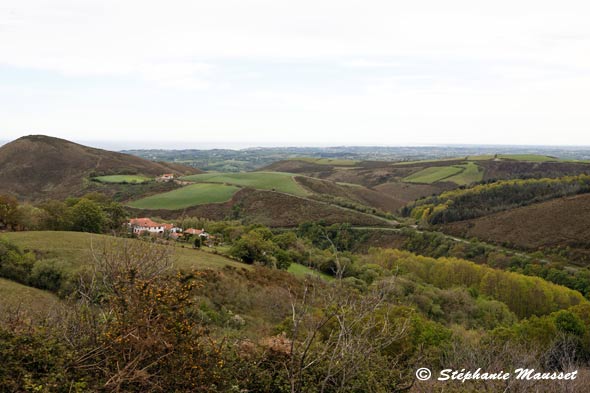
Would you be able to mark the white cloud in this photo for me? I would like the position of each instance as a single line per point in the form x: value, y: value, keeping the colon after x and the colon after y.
x: 409, y: 70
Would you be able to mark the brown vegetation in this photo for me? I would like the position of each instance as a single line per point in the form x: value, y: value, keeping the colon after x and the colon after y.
x: 41, y: 167
x: 559, y: 222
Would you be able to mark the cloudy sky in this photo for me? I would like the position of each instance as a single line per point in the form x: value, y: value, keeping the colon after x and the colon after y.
x: 297, y: 72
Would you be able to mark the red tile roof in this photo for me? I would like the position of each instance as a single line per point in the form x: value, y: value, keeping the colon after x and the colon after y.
x: 192, y: 231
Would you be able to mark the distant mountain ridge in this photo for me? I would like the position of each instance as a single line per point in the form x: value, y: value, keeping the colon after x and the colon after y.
x: 38, y: 167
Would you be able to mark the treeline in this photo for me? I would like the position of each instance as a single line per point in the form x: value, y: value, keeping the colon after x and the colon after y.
x: 436, y: 245
x: 94, y: 212
x: 524, y: 295
x: 484, y: 199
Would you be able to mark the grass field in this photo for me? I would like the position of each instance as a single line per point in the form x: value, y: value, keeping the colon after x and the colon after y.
x: 193, y: 195
x: 277, y: 181
x: 471, y: 173
x: 402, y: 163
x: 301, y: 271
x: 17, y: 296
x: 122, y: 179
x: 73, y: 249
x: 433, y: 174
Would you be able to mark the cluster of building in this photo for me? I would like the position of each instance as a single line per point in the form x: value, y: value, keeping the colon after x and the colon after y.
x: 140, y: 226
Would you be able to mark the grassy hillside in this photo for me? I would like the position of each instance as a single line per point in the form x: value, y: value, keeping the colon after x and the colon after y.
x: 74, y: 249
x: 14, y: 296
x: 40, y: 167
x: 193, y: 195
x: 471, y: 173
x: 275, y: 181
x: 433, y: 174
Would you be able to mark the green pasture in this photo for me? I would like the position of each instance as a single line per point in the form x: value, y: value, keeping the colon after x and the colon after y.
x: 471, y: 173
x: 15, y: 296
x: 74, y: 249
x: 122, y: 179
x: 191, y: 195
x: 276, y: 181
x: 433, y: 174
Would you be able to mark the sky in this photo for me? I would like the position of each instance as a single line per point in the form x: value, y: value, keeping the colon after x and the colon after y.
x: 236, y: 73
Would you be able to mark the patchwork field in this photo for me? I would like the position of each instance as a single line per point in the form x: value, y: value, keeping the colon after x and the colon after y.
x: 122, y: 179
x: 461, y: 174
x: 74, y: 249
x: 270, y: 181
x: 192, y: 195
x: 471, y: 173
x: 433, y: 174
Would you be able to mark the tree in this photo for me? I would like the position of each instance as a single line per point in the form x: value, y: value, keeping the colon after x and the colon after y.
x: 197, y: 242
x: 8, y: 211
x: 252, y: 247
x: 56, y: 217
x: 87, y: 216
x: 116, y: 215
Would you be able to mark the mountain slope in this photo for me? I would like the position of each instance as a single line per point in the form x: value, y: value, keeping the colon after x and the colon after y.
x: 557, y: 223
x: 37, y: 167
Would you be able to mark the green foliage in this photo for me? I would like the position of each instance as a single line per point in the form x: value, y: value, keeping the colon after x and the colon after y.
x: 568, y: 322
x: 14, y: 263
x: 484, y: 199
x: 524, y: 295
x: 253, y: 247
x: 87, y: 216
x: 8, y: 211
x: 34, y: 361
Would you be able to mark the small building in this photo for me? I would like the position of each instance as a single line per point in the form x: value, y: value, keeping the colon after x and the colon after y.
x: 143, y: 225
x: 166, y: 177
x: 197, y: 232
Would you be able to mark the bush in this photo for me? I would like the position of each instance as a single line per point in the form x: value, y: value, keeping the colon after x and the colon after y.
x: 48, y: 274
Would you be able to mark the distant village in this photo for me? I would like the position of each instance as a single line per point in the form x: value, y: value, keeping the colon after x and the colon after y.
x: 148, y: 227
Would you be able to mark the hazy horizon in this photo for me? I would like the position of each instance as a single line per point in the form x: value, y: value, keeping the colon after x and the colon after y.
x: 119, y: 145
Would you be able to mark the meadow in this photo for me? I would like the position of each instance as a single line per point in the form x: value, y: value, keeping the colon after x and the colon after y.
x: 272, y: 181
x: 192, y: 195
x: 459, y: 174
x: 471, y: 173
x: 433, y: 174
x: 122, y: 179
x: 18, y: 296
x: 73, y: 250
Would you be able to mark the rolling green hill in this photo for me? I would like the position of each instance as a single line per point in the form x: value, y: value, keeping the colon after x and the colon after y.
x: 74, y: 249
x: 270, y: 181
x: 192, y: 195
